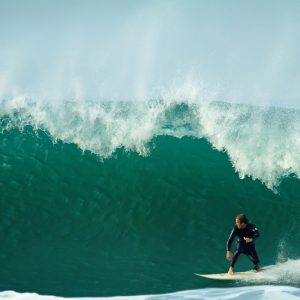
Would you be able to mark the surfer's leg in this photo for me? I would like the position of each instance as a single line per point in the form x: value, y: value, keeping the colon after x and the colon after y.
x: 233, y: 261
x: 252, y: 254
x: 234, y: 258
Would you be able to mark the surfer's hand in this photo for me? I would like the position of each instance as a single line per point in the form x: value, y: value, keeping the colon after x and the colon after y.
x: 228, y: 255
x: 248, y: 240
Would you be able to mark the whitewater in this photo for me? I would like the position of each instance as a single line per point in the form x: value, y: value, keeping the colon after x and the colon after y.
x: 260, y: 292
x: 261, y: 142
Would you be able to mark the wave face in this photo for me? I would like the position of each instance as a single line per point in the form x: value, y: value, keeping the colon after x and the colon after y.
x: 133, y: 198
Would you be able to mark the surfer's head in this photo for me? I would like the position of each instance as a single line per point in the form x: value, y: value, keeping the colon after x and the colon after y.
x: 241, y: 221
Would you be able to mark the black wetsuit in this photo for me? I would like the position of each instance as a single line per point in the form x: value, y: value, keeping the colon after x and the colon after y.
x: 248, y: 249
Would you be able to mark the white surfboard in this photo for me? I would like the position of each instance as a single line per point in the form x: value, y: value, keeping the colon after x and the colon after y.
x: 225, y: 276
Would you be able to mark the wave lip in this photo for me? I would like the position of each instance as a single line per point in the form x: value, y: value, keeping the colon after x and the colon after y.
x: 261, y: 142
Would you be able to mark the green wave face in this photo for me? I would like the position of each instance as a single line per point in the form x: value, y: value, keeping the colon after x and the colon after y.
x: 73, y: 224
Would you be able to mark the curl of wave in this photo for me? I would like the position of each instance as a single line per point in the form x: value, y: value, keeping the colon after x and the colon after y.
x: 261, y: 142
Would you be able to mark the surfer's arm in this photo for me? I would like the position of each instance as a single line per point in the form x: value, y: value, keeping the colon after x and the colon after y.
x: 230, y: 239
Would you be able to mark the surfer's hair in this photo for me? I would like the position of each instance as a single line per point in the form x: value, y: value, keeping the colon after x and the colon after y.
x: 242, y: 218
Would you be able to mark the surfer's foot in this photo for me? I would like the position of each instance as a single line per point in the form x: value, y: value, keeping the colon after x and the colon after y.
x: 230, y: 271
x: 257, y: 268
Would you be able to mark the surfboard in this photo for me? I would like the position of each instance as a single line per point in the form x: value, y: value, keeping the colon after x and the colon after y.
x: 225, y: 276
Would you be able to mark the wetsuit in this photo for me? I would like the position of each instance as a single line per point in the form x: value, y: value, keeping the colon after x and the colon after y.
x: 248, y: 249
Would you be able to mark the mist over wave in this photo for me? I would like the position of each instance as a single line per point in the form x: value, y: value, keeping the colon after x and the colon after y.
x: 115, y: 50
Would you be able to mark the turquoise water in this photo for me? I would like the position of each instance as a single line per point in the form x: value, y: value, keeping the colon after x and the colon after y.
x: 131, y: 135
x: 77, y: 223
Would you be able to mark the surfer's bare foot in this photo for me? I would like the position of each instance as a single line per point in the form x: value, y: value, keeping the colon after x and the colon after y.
x: 230, y: 271
x: 259, y: 270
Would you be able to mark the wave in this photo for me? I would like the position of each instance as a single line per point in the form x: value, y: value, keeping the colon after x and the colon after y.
x: 261, y: 142
x: 81, y: 221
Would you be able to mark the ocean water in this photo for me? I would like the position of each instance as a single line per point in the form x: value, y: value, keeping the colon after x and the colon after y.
x: 131, y: 135
x: 123, y: 199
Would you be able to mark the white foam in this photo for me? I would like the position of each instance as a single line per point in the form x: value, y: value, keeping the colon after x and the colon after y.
x: 249, y: 293
x: 287, y: 273
x: 261, y: 142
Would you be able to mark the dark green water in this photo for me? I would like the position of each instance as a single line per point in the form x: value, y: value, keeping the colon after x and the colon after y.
x: 73, y: 225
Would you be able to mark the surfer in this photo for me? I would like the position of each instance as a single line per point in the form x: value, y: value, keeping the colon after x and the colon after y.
x: 246, y: 233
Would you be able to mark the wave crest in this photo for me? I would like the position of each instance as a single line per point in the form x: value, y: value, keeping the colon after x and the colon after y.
x: 261, y: 142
